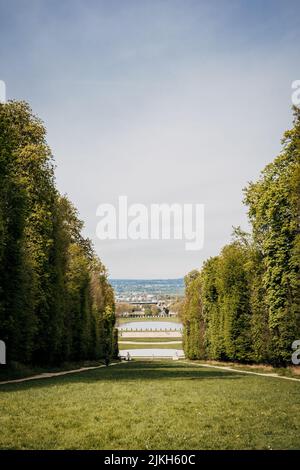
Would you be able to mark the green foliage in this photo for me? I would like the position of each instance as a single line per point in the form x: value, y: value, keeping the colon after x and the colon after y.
x: 54, y: 292
x: 250, y: 293
x: 193, y: 337
x: 274, y: 213
x: 233, y: 289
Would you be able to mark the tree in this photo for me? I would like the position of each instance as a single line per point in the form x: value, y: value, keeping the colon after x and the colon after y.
x: 193, y: 319
x: 244, y: 304
x: 233, y: 298
x: 274, y: 213
x: 55, y: 301
x: 123, y: 307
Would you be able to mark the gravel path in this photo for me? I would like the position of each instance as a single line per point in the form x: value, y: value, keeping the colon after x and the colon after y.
x: 48, y: 375
x: 239, y: 371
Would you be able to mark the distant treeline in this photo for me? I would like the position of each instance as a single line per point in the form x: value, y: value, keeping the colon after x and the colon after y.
x: 244, y: 304
x: 55, y: 301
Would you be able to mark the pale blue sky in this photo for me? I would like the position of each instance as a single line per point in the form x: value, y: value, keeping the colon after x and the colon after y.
x: 163, y: 101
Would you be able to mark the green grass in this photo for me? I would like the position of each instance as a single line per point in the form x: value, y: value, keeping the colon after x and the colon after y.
x: 120, y: 321
x: 151, y: 340
x: 151, y: 405
x: 150, y: 346
x: 289, y: 371
x: 17, y: 370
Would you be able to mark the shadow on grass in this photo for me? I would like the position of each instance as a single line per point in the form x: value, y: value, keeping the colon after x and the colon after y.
x: 135, y: 370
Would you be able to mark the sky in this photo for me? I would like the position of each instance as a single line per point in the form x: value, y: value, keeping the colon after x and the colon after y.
x: 175, y: 101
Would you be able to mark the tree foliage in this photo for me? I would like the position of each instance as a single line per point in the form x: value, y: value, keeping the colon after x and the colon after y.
x: 54, y: 293
x: 249, y: 293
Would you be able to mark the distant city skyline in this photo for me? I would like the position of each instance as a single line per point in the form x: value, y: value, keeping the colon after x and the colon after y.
x: 162, y: 101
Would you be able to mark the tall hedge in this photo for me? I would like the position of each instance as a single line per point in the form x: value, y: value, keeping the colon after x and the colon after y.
x: 250, y: 292
x: 54, y: 292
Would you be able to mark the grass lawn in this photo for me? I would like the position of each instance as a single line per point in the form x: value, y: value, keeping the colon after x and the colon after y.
x: 19, y: 371
x: 177, y: 345
x: 151, y: 405
x: 120, y: 321
x: 290, y: 371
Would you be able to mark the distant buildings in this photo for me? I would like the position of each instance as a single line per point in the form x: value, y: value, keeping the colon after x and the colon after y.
x: 149, y: 298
